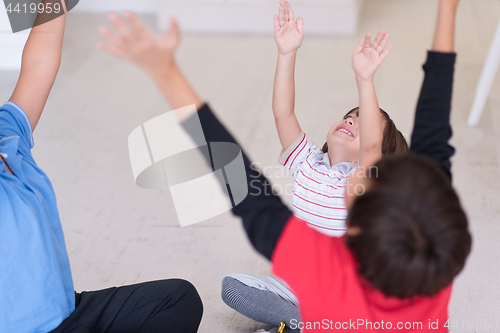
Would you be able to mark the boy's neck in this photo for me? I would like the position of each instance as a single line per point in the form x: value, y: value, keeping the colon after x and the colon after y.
x: 337, y: 157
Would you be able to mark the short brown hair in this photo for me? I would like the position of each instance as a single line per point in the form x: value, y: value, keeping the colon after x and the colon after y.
x: 414, y: 236
x: 393, y: 141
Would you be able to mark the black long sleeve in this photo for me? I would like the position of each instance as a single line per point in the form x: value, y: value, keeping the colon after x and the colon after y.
x: 432, y: 130
x: 263, y: 213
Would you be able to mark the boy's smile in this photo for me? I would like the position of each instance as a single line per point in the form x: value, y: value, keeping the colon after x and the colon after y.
x: 344, y: 129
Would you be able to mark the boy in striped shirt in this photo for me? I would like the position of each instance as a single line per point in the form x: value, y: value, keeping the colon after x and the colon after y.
x: 320, y: 175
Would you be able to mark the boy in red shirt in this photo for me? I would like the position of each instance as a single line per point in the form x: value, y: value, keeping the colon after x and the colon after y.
x: 407, y: 234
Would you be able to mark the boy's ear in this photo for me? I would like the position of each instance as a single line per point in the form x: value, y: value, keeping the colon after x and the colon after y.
x: 353, y: 231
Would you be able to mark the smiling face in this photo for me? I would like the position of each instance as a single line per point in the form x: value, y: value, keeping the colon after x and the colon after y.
x: 343, y: 137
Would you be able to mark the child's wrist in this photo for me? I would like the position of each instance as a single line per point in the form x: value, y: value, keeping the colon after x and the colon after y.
x: 362, y: 79
x: 291, y: 54
x: 448, y: 5
x: 163, y: 72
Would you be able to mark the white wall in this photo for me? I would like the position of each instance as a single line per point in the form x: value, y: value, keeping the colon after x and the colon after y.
x: 139, y: 6
x: 329, y: 17
x: 332, y: 17
x: 11, y: 45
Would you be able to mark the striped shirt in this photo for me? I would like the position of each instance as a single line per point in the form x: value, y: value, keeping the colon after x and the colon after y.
x: 318, y: 188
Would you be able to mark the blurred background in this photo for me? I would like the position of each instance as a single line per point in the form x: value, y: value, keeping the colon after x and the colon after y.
x: 117, y: 233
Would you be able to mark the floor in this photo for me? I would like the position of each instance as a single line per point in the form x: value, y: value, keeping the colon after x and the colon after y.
x: 117, y: 233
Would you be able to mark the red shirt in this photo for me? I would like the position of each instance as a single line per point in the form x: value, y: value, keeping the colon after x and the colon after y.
x: 332, y: 295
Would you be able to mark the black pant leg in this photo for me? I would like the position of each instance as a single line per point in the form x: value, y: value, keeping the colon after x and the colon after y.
x: 432, y: 130
x: 166, y: 306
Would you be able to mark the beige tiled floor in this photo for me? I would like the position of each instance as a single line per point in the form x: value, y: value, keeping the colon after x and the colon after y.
x: 119, y: 234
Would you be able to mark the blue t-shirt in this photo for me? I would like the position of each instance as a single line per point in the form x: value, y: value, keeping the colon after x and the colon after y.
x: 36, y: 287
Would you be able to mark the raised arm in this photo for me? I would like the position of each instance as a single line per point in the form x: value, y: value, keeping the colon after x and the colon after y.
x: 432, y: 130
x: 366, y: 60
x: 289, y: 34
x: 444, y: 37
x: 40, y: 64
x: 155, y: 55
x: 264, y: 215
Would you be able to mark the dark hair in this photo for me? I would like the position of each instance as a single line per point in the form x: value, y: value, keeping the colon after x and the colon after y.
x: 414, y: 236
x: 393, y: 141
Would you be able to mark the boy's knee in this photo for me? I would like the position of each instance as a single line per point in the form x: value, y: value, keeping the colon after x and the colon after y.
x: 182, y: 306
x: 193, y: 299
x: 184, y: 292
x: 183, y: 286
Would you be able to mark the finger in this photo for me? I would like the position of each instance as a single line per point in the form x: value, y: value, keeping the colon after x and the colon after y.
x: 386, y: 53
x: 368, y: 40
x: 300, y: 24
x: 110, y: 49
x: 285, y: 7
x: 109, y: 35
x: 383, y: 43
x: 282, y: 16
x: 136, y: 23
x: 174, y: 28
x: 378, y: 39
x: 276, y: 23
x: 122, y: 27
x: 291, y: 14
x: 359, y: 48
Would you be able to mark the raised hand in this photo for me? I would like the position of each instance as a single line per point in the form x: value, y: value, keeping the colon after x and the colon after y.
x: 135, y: 43
x: 288, y: 33
x: 369, y: 56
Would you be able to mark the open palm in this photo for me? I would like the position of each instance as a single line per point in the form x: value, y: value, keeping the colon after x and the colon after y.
x: 288, y: 33
x: 134, y: 42
x: 369, y: 56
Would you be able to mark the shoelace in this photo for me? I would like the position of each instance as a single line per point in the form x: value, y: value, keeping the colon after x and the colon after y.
x: 281, y: 328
